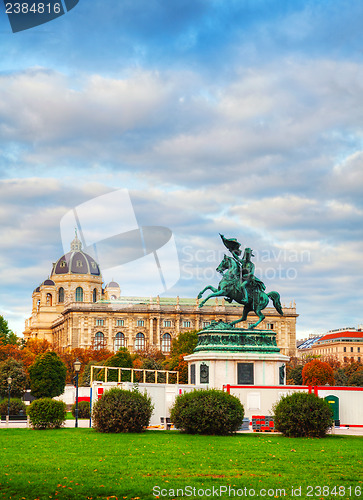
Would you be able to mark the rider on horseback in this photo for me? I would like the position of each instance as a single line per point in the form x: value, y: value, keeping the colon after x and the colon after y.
x: 250, y: 285
x: 239, y: 284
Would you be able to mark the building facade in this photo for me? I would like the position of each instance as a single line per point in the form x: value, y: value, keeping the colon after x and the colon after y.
x: 344, y: 345
x: 72, y: 309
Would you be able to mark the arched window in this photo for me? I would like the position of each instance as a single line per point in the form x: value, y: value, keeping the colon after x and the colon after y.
x: 94, y: 297
x: 49, y: 299
x: 79, y: 294
x: 61, y: 294
x: 99, y: 342
x: 166, y: 342
x: 140, y: 342
x: 119, y: 341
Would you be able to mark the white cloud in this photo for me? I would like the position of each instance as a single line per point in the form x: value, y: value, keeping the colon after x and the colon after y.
x: 257, y: 157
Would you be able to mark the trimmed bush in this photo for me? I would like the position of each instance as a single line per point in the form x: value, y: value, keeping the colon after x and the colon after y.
x: 47, y: 413
x: 83, y: 409
x: 16, y: 406
x: 303, y: 415
x: 122, y: 411
x: 207, y: 412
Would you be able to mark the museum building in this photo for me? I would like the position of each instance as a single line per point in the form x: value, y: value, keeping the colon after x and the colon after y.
x: 72, y: 309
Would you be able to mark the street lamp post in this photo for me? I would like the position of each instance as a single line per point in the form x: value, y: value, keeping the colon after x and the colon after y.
x: 9, y: 389
x: 77, y: 368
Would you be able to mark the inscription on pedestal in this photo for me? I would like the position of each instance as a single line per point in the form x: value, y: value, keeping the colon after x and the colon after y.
x: 245, y: 374
x: 192, y: 374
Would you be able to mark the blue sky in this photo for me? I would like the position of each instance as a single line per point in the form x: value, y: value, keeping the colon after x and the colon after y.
x: 240, y: 117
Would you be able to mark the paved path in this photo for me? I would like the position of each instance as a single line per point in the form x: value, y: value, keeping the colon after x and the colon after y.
x: 337, y: 431
x: 23, y: 425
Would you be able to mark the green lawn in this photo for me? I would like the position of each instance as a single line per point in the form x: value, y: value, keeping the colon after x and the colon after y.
x: 84, y: 464
x: 69, y: 416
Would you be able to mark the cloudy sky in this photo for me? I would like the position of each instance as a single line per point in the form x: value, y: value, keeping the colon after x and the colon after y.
x: 240, y: 117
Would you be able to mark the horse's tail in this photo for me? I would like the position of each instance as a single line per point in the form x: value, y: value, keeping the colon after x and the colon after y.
x: 275, y: 297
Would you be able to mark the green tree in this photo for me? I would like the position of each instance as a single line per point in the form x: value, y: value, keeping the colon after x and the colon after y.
x: 7, y: 336
x: 295, y: 375
x: 15, y: 370
x: 47, y: 375
x: 340, y: 377
x: 122, y: 359
x: 356, y: 378
x: 85, y: 379
x: 185, y: 343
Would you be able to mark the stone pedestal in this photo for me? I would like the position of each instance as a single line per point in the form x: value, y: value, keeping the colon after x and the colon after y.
x: 236, y: 356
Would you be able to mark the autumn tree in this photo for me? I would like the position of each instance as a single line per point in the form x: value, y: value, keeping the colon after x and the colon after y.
x: 318, y: 373
x: 183, y: 345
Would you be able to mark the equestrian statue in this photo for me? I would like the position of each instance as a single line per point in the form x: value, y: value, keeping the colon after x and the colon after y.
x: 239, y: 283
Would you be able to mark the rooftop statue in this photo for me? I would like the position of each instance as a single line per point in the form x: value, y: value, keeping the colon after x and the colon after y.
x: 239, y: 283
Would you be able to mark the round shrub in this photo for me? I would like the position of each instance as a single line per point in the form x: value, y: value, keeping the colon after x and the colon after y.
x: 207, y: 412
x: 47, y: 413
x: 303, y: 415
x: 16, y: 407
x: 122, y: 411
x: 83, y: 409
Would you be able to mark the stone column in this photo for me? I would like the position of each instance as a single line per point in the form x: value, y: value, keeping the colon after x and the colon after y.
x: 158, y: 333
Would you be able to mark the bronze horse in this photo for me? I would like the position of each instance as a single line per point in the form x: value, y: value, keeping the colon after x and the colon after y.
x: 251, y: 295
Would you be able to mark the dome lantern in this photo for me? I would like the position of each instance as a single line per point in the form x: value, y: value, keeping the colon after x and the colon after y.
x: 76, y: 244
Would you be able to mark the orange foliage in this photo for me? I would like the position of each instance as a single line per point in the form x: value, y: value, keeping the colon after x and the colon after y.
x: 10, y: 351
x: 318, y: 373
x: 182, y: 368
x: 84, y: 356
x: 137, y: 363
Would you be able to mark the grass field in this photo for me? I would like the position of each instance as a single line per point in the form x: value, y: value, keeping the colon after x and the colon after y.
x: 84, y: 464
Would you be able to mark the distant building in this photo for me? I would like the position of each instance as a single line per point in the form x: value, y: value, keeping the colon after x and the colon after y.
x: 344, y: 345
x: 71, y: 309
